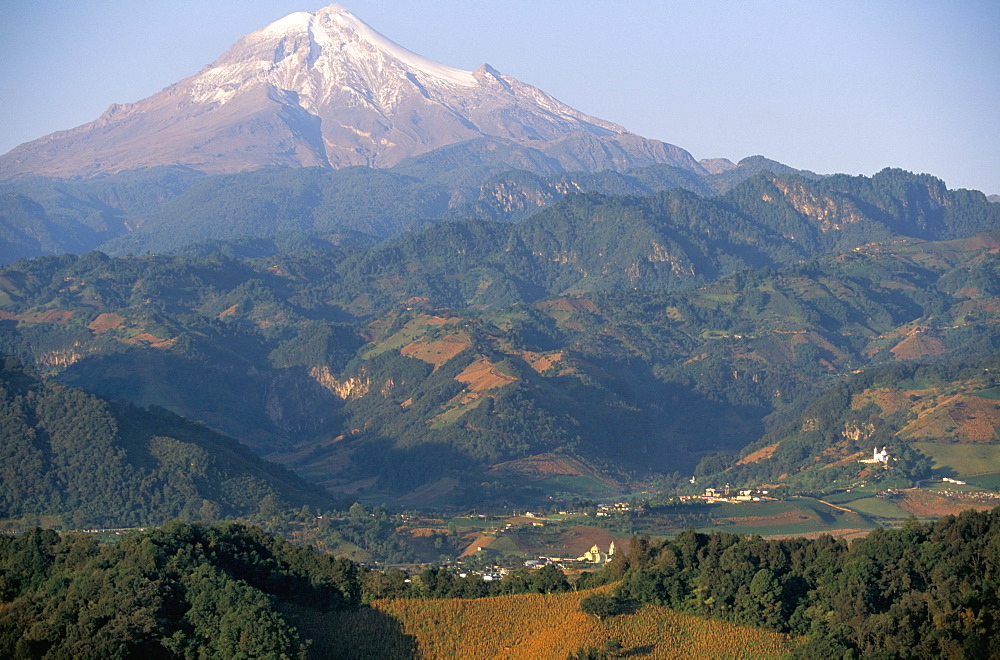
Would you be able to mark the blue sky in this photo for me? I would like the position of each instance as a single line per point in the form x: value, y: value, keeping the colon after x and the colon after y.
x: 832, y: 86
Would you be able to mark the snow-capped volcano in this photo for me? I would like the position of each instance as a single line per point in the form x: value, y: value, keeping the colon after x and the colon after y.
x: 325, y: 89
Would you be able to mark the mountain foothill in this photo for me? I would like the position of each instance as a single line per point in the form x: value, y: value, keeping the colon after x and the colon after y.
x: 642, y: 334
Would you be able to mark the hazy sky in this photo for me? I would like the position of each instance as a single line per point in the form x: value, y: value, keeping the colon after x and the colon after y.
x: 830, y: 86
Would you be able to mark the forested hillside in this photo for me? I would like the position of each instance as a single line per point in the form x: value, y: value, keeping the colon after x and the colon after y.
x: 908, y: 408
x: 180, y: 591
x: 922, y: 591
x: 643, y: 335
x: 81, y: 461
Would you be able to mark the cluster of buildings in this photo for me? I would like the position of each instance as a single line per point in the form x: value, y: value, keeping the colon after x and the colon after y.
x: 593, y: 556
x: 727, y: 494
x: 602, y: 510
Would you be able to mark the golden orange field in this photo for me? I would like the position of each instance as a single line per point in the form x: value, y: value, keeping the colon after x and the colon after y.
x: 538, y: 626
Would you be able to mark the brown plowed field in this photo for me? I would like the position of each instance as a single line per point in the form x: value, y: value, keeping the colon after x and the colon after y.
x: 436, y: 352
x: 482, y: 375
x: 105, y: 322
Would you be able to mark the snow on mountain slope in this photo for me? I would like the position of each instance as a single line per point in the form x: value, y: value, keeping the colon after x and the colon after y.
x: 325, y: 89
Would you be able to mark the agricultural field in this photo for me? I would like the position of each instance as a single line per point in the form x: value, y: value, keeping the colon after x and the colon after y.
x: 802, y: 516
x: 993, y: 394
x: 537, y: 626
x: 587, y: 486
x: 428, y: 338
x: 529, y: 540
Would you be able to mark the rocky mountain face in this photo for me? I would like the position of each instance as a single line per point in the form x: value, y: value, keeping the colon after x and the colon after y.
x: 325, y: 89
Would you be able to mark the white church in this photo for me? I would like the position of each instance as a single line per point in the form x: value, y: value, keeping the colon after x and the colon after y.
x: 595, y: 556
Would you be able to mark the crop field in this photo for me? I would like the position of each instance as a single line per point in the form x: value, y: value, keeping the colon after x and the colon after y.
x: 430, y: 493
x: 918, y: 345
x: 414, y: 330
x: 537, y: 626
x: 845, y: 497
x: 451, y: 415
x: 954, y: 416
x: 437, y: 351
x: 989, y: 481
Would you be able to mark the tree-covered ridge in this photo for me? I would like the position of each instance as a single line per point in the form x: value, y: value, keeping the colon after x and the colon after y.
x: 921, y: 591
x: 258, y: 337
x: 72, y: 455
x: 180, y: 591
x: 164, y: 209
x: 664, y: 241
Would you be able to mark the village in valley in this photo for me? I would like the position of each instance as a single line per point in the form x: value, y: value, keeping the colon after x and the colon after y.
x: 586, y: 535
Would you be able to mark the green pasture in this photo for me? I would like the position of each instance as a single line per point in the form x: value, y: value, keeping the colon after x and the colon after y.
x: 451, y: 416
x: 878, y: 507
x: 581, y: 486
x: 744, y: 509
x: 964, y: 459
x: 727, y: 298
x: 993, y: 394
x: 505, y: 545
x: 987, y: 481
x: 410, y: 332
x: 914, y: 384
x: 467, y: 524
x: 845, y: 497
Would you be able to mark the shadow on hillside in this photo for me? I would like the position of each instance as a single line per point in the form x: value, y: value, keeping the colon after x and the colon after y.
x: 363, y: 634
x: 638, y: 651
x: 627, y: 607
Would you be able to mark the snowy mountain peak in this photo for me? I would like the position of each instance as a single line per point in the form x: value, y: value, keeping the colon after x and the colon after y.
x: 318, y: 54
x: 326, y: 89
x: 417, y: 63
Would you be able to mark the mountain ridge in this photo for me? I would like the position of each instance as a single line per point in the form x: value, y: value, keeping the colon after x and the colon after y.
x: 583, y: 328
x: 165, y: 208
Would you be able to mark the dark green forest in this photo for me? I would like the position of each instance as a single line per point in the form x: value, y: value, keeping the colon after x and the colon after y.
x: 180, y: 591
x: 89, y: 462
x: 920, y: 591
